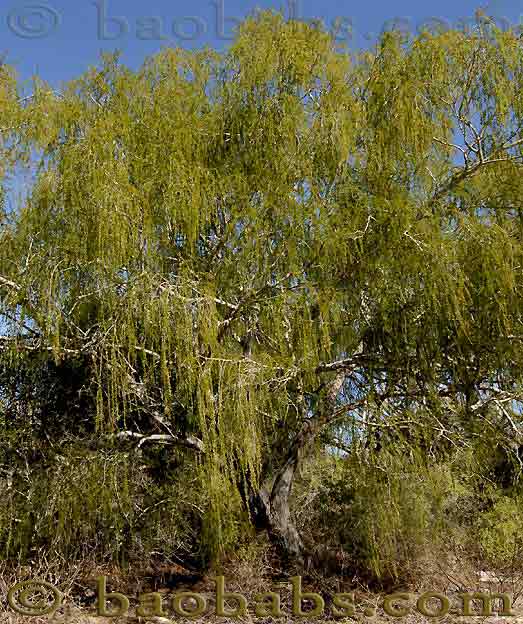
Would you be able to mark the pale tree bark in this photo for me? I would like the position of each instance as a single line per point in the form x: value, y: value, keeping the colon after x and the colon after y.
x: 270, y: 506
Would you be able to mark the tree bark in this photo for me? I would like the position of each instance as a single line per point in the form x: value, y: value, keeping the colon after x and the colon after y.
x: 270, y: 507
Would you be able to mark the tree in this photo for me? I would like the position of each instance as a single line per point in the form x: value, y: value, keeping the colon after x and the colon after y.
x: 248, y: 253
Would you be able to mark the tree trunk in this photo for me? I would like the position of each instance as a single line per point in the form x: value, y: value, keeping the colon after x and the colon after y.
x: 281, y: 529
x: 270, y: 507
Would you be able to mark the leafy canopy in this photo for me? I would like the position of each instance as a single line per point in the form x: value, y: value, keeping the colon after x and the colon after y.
x: 214, y: 236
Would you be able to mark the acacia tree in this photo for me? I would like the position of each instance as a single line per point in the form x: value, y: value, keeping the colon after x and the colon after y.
x: 240, y: 252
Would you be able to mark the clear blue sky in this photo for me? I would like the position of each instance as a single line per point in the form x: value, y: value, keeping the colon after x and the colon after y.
x: 58, y: 39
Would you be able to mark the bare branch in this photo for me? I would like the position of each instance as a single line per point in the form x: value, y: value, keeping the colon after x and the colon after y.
x: 6, y: 282
x: 164, y: 438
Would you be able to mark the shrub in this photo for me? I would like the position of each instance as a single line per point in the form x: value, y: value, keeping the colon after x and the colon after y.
x: 500, y: 532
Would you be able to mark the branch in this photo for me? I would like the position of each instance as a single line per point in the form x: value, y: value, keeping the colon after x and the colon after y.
x: 10, y: 284
x: 23, y: 344
x: 5, y: 341
x: 347, y: 364
x: 164, y: 438
x: 249, y: 297
x: 470, y: 171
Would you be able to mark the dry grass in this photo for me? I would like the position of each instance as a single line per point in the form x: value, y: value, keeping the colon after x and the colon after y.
x: 256, y: 571
x: 74, y: 615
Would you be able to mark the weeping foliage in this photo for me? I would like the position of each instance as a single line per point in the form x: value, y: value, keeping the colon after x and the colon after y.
x: 206, y: 234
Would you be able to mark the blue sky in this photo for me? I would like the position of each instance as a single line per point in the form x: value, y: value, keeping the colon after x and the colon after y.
x: 59, y: 39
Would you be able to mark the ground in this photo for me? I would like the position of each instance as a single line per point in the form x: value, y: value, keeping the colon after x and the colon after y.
x: 70, y: 614
x: 249, y: 579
